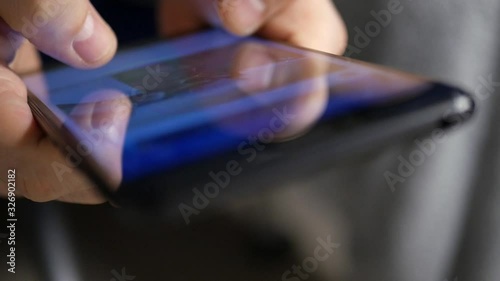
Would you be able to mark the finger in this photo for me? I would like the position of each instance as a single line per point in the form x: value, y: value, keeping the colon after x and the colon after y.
x: 27, y: 59
x: 103, y: 118
x: 69, y: 30
x: 48, y: 175
x: 314, y: 24
x: 244, y: 17
x: 90, y: 196
x: 41, y: 169
x: 9, y: 42
x: 179, y: 17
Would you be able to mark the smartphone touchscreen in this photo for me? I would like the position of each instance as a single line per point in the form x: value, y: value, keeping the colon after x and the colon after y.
x: 214, y: 101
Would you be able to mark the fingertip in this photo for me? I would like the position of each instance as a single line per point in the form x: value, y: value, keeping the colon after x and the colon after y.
x: 70, y: 31
x: 95, y: 44
x: 241, y: 17
x: 314, y: 25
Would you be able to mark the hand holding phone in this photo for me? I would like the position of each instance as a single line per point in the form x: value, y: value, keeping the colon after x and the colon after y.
x: 162, y: 118
x: 78, y: 36
x: 70, y: 31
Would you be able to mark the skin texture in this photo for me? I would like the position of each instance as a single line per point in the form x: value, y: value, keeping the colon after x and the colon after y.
x: 73, y: 32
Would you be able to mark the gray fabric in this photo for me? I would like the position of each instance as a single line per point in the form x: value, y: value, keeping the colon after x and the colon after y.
x: 444, y: 222
x: 456, y: 41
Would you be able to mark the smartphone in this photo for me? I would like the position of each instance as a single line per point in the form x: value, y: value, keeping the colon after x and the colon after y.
x: 210, y: 112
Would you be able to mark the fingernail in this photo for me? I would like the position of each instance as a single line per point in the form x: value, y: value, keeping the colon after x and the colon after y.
x: 87, y: 29
x: 241, y: 16
x: 83, y: 43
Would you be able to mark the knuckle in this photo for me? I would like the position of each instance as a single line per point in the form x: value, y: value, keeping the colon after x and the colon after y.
x: 32, y: 16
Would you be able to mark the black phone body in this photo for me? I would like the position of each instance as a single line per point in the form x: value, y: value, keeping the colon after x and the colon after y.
x: 169, y: 123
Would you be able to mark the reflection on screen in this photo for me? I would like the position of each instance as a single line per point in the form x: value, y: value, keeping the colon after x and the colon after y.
x: 166, y: 105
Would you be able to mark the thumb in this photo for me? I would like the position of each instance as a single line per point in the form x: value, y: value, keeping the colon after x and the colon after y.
x: 69, y: 30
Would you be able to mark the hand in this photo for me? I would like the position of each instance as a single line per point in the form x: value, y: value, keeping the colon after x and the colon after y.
x: 313, y: 24
x: 72, y: 32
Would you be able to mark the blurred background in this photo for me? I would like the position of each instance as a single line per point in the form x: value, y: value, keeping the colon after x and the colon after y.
x: 442, y: 223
